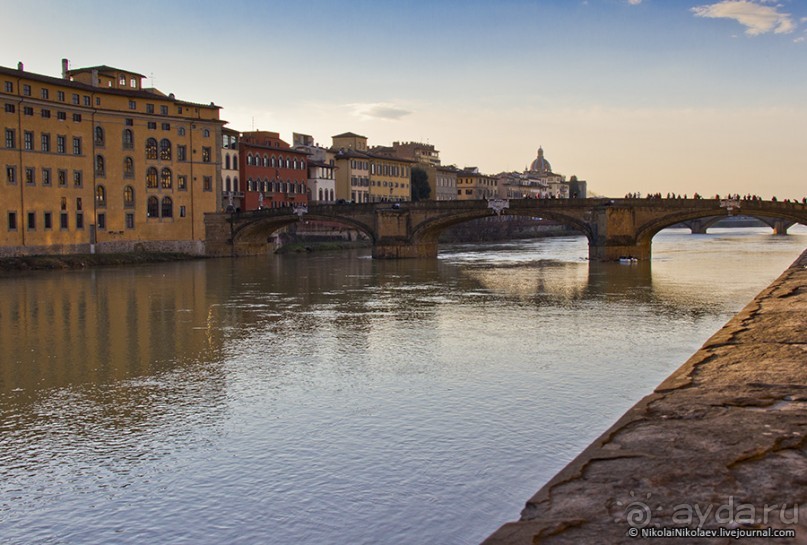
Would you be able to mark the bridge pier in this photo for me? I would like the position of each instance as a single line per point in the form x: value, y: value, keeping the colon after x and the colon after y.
x: 402, y: 249
x: 780, y: 227
x: 614, y: 251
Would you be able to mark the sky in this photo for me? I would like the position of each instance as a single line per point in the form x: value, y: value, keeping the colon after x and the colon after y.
x: 647, y: 96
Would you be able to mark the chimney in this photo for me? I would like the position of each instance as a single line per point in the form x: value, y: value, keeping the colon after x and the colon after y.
x: 20, y: 66
x: 65, y: 68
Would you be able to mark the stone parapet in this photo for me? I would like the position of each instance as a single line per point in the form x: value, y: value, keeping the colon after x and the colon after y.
x: 720, y: 445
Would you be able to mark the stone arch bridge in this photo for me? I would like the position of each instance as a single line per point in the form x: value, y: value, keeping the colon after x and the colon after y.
x: 614, y: 227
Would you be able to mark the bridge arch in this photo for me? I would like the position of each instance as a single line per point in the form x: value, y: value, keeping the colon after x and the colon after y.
x: 429, y: 231
x: 251, y: 232
x: 648, y: 230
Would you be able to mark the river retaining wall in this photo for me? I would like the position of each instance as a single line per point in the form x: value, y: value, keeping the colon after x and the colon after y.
x: 720, y: 445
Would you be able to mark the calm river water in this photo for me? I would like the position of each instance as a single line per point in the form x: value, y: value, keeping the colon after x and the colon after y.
x: 333, y: 399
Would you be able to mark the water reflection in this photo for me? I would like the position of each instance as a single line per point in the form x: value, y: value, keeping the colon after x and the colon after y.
x: 333, y: 398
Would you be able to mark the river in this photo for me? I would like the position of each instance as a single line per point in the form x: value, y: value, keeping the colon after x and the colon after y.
x: 333, y: 399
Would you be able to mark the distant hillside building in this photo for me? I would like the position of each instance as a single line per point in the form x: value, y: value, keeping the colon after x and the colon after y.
x: 93, y: 161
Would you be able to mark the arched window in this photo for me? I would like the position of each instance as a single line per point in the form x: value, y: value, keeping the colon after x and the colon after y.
x: 227, y: 162
x: 288, y: 163
x: 151, y: 148
x: 99, y: 165
x: 128, y: 167
x: 249, y: 159
x: 181, y: 131
x: 128, y: 139
x: 295, y: 163
x: 151, y: 178
x: 265, y: 160
x: 167, y: 208
x: 235, y: 161
x: 153, y: 207
x: 166, y: 178
x: 320, y: 193
x: 165, y: 149
x: 235, y: 184
x: 302, y: 164
x: 285, y: 187
x: 128, y: 197
x: 206, y: 133
x: 99, y: 136
x: 273, y: 161
x: 100, y: 197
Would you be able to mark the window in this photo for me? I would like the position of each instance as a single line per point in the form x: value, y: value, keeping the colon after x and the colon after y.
x: 12, y: 221
x: 101, y: 220
x: 149, y: 108
x: 166, y: 126
x: 77, y: 178
x: 132, y: 105
x: 31, y: 221
x: 76, y: 145
x: 167, y: 209
x: 10, y: 138
x: 44, y: 94
x: 207, y: 183
x: 133, y: 83
x: 182, y: 153
x: 46, y: 176
x: 77, y: 118
x: 63, y: 221
x: 151, y: 178
x: 45, y: 113
x: 98, y: 100
x: 205, y: 155
x: 48, y: 220
x: 182, y: 213
x: 100, y: 196
x: 151, y: 148
x: 61, y: 116
x: 128, y: 167
x: 76, y: 100
x: 128, y: 139
x: 129, y: 220
x: 182, y: 183
x: 60, y: 96
x: 44, y: 142
x: 10, y: 109
x: 26, y: 90
x: 152, y: 125
x: 122, y: 81
x: 206, y: 133
x: 9, y: 87
x: 164, y: 110
x: 99, y: 166
x: 78, y: 204
x: 11, y: 174
x: 129, y: 122
x: 166, y: 178
x: 152, y: 207
x: 181, y: 131
x: 79, y: 220
x: 99, y: 136
x: 28, y: 140
x: 29, y: 176
x: 87, y: 100
x: 61, y: 143
x: 61, y: 175
x: 165, y: 149
x: 128, y: 197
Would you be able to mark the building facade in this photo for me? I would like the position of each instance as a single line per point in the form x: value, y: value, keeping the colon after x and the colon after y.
x: 473, y: 185
x: 273, y: 174
x: 321, y: 167
x: 231, y: 194
x: 93, y: 161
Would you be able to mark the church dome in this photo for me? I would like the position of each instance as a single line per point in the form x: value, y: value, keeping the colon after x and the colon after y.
x: 540, y: 164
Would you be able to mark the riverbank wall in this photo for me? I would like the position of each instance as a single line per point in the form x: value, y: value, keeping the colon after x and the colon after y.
x: 719, y: 447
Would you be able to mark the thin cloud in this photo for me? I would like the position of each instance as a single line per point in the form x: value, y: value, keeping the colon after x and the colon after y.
x: 380, y: 110
x: 634, y: 2
x: 753, y: 15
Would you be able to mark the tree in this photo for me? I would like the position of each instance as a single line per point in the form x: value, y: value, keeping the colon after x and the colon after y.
x: 419, y: 179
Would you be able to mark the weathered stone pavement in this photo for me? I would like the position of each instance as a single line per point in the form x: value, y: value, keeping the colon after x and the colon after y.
x: 720, y: 443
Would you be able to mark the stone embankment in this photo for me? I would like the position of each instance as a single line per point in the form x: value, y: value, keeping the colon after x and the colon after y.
x: 720, y: 445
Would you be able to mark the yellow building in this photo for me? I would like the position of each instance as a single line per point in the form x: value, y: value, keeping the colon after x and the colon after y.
x: 473, y: 185
x: 92, y: 161
x: 390, y: 178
